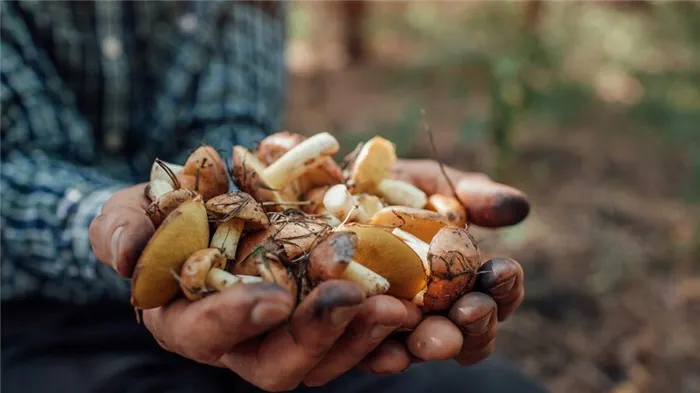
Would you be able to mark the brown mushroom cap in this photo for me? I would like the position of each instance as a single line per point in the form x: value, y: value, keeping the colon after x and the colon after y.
x: 159, y: 209
x: 296, y: 232
x: 209, y: 172
x: 315, y: 196
x: 193, y: 276
x: 454, y: 260
x: 274, y: 146
x: 385, y: 254
x: 247, y: 170
x: 424, y: 224
x: 374, y: 163
x: 183, y: 232
x: 238, y: 204
x: 332, y: 256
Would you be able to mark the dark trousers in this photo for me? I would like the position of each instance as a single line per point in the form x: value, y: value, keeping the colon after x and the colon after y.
x: 50, y: 348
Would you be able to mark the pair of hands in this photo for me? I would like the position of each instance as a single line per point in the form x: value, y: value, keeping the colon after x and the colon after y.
x: 252, y: 330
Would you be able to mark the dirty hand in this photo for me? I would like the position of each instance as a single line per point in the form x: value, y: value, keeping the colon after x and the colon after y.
x: 250, y: 329
x: 467, y: 331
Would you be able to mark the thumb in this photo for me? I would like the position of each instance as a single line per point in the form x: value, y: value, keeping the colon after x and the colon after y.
x: 490, y: 204
x: 120, y: 232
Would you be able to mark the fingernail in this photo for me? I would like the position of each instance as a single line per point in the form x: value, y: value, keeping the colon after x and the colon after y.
x: 342, y: 315
x: 380, y: 331
x: 504, y: 287
x: 480, y: 325
x: 267, y: 314
x: 114, y: 247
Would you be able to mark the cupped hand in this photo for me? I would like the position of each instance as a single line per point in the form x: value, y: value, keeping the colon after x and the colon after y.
x: 467, y: 332
x: 252, y: 329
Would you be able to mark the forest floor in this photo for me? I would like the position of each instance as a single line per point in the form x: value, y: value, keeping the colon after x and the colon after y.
x: 612, y: 284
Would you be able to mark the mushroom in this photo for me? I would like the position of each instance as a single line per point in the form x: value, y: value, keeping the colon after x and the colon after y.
x: 203, y: 273
x: 449, y: 207
x: 333, y: 259
x: 315, y: 207
x: 386, y: 255
x: 205, y: 173
x: 451, y: 261
x: 271, y: 263
x: 268, y: 183
x: 166, y: 203
x: 370, y: 173
x: 326, y: 173
x: 423, y: 224
x: 156, y: 188
x: 165, y: 171
x: 183, y: 232
x: 234, y: 210
x: 296, y: 232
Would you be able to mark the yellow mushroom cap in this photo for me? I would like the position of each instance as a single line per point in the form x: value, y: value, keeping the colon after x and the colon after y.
x: 423, y: 224
x: 183, y: 232
x: 373, y: 164
x: 388, y: 256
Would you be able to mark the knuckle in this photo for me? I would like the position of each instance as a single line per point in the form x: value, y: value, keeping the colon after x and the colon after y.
x: 277, y: 385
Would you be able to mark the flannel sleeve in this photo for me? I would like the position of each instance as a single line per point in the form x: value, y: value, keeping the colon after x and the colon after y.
x: 50, y: 194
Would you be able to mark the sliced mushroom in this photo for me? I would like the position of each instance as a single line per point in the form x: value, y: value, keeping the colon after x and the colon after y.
x: 452, y: 259
x: 235, y: 211
x: 182, y: 233
x: 203, y: 273
x: 421, y: 223
x: 333, y: 258
x: 370, y: 172
x: 449, y: 207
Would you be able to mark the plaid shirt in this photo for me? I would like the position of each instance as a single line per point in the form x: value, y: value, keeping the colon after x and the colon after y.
x: 92, y: 93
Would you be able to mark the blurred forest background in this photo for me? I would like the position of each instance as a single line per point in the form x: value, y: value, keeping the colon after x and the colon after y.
x: 593, y: 109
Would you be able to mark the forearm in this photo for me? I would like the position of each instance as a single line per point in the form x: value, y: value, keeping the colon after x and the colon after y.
x: 47, y: 207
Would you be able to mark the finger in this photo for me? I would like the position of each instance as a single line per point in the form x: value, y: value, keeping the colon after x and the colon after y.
x: 430, y: 178
x: 475, y: 315
x: 413, y: 316
x: 288, y: 353
x: 390, y: 357
x: 121, y: 231
x: 502, y: 279
x: 206, y: 329
x: 490, y: 204
x: 435, y: 338
x: 467, y: 358
x: 379, y: 317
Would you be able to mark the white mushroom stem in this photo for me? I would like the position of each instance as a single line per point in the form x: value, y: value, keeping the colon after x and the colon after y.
x: 156, y: 188
x: 340, y: 202
x: 421, y: 248
x: 370, y: 282
x: 370, y: 203
x: 397, y: 192
x: 298, y: 159
x: 158, y: 173
x: 220, y: 279
x: 227, y: 236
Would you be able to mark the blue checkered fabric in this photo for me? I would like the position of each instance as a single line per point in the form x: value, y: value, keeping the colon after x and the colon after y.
x: 92, y: 93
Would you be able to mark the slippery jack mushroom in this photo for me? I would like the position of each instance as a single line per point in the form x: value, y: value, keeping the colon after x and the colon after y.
x: 204, y: 172
x: 315, y: 207
x: 269, y: 184
x: 271, y: 263
x: 338, y: 201
x: 296, y: 232
x: 449, y: 207
x: 204, y: 273
x: 421, y: 223
x: 370, y: 173
x: 451, y: 261
x: 326, y: 173
x: 333, y: 258
x: 234, y: 211
x: 183, y: 232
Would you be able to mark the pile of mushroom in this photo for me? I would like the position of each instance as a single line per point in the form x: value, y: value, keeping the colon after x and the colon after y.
x: 297, y: 219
